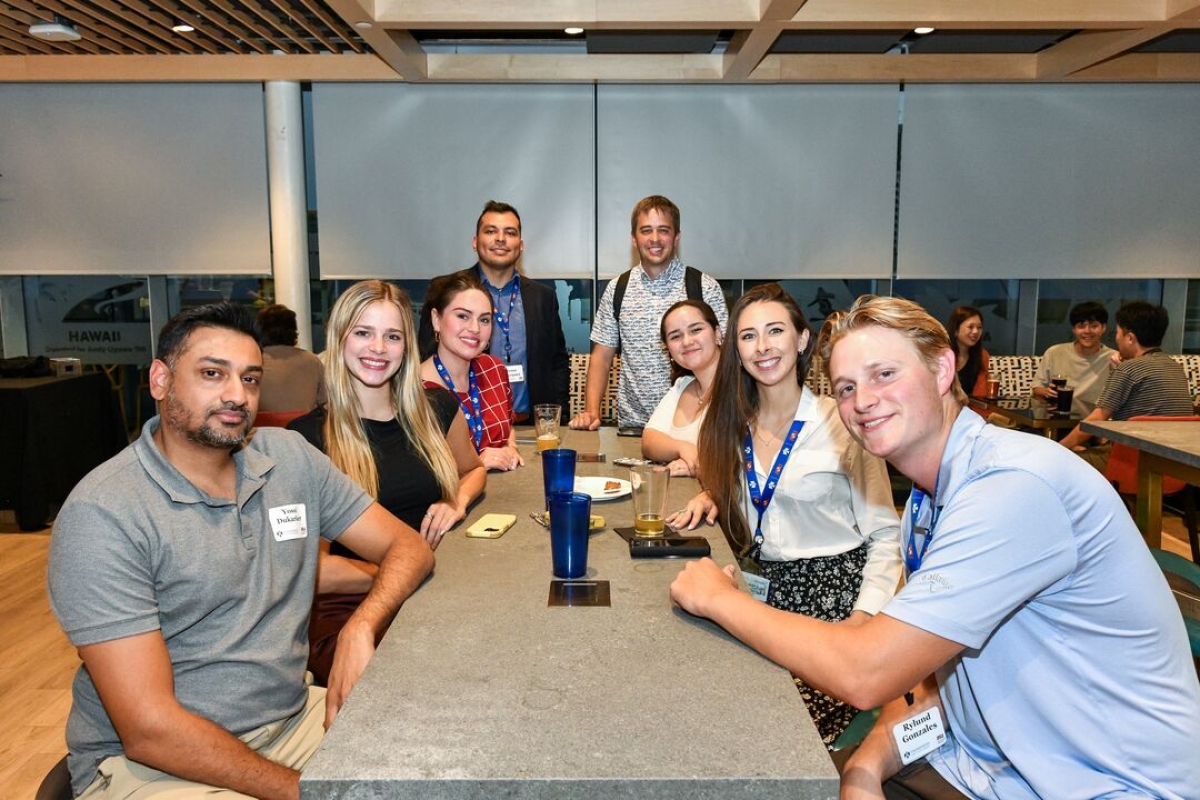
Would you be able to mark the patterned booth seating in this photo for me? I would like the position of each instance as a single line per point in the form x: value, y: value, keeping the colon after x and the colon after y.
x: 1015, y: 373
x: 1191, y: 365
x: 817, y: 381
x: 578, y: 383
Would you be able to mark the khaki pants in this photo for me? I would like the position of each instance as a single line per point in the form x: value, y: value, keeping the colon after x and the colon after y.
x: 1097, y: 456
x: 290, y: 742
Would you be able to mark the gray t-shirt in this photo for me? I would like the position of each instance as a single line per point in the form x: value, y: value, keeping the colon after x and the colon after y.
x: 138, y: 548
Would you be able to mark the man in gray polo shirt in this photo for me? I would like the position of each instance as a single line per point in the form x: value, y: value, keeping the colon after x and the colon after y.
x: 183, y: 570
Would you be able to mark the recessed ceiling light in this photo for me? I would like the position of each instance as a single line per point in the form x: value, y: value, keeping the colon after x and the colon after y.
x: 572, y: 31
x: 923, y: 30
x: 364, y: 25
x: 182, y: 27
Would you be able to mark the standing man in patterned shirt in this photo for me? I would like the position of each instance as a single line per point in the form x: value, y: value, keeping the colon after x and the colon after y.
x: 528, y: 335
x: 651, y: 287
x: 1146, y: 382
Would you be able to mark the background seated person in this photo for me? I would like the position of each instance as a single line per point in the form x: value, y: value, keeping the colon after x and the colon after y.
x: 407, y: 446
x: 966, y: 331
x: 1084, y: 362
x: 692, y: 336
x: 183, y: 570
x: 293, y: 379
x: 1146, y: 381
x: 461, y: 315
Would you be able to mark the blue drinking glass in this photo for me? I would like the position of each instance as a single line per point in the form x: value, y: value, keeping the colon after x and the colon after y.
x: 558, y: 471
x: 570, y: 513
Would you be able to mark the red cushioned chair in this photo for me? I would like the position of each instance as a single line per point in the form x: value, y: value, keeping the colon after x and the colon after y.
x: 1122, y: 472
x: 276, y: 419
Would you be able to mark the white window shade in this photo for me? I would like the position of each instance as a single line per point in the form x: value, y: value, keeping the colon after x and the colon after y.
x: 771, y: 181
x: 403, y: 172
x: 163, y: 179
x: 1050, y: 182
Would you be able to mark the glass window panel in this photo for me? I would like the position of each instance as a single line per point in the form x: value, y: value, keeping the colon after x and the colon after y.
x: 997, y: 300
x: 1057, y: 297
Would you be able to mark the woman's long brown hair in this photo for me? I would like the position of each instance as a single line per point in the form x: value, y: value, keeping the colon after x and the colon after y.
x: 734, y: 404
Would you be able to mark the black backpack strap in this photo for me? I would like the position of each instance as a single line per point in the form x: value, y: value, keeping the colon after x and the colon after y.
x: 691, y: 281
x: 619, y: 295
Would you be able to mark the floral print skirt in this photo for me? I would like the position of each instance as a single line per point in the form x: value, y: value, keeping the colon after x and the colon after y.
x: 824, y: 588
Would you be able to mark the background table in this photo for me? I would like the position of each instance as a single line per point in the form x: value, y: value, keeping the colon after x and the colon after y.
x: 53, y: 431
x: 1025, y: 412
x: 1166, y: 448
x: 480, y: 690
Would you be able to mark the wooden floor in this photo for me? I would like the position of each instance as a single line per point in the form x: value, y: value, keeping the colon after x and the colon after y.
x: 37, y: 663
x: 36, y: 666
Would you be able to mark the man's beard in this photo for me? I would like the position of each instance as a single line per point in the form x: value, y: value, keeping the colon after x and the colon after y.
x: 181, y: 420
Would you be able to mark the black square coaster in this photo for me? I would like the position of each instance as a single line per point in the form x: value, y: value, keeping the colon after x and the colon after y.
x: 579, y: 593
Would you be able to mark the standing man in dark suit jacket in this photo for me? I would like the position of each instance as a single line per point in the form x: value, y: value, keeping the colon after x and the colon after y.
x: 527, y: 335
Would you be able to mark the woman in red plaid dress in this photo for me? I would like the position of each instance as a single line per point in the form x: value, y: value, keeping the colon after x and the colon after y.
x: 462, y: 317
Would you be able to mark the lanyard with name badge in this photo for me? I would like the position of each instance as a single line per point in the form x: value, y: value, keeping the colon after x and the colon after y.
x: 914, y: 554
x: 760, y: 587
x: 472, y: 411
x: 516, y: 372
x: 924, y: 732
x: 504, y: 320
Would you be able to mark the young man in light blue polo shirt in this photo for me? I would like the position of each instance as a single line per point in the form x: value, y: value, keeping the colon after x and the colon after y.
x: 1035, y: 650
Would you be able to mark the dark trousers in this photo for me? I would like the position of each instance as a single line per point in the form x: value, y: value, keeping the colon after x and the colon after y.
x: 916, y: 781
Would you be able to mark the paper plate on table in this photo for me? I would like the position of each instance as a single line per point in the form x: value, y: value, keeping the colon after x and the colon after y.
x: 603, y: 488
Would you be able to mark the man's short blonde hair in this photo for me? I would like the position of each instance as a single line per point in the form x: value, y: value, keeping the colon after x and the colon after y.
x: 905, y: 317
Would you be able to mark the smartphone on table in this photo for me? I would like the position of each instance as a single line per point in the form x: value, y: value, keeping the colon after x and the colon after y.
x: 491, y: 526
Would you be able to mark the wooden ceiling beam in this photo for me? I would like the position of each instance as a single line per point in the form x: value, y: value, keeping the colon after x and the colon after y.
x: 345, y: 32
x: 163, y: 18
x: 747, y: 50
x: 189, y: 69
x: 1090, y: 48
x: 536, y: 14
x: 117, y: 17
x: 827, y: 68
x: 218, y: 16
x: 576, y: 68
x: 397, y: 48
x: 286, y: 12
x: 290, y: 36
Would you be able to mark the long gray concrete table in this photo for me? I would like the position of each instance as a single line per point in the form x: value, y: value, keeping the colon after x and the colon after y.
x: 480, y: 690
x: 1166, y: 448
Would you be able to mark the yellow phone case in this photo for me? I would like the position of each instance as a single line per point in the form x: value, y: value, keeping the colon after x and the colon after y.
x: 491, y: 526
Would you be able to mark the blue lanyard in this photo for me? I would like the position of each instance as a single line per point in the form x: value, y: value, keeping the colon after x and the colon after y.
x: 472, y: 412
x: 760, y: 500
x: 503, y: 320
x: 914, y: 554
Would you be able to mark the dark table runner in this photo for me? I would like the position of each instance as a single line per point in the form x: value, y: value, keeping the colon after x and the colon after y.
x: 53, y: 431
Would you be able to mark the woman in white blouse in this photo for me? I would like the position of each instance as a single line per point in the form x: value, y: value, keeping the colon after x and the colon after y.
x: 692, y: 336
x: 806, y: 509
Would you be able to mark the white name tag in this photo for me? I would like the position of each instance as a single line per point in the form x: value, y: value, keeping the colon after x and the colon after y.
x: 919, y: 735
x: 288, y: 522
x: 760, y: 587
x: 516, y: 373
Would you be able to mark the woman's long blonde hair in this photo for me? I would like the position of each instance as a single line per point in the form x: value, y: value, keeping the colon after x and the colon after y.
x: 345, y: 437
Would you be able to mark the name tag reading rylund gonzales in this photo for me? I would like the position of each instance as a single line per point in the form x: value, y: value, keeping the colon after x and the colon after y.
x: 919, y: 735
x: 288, y: 522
